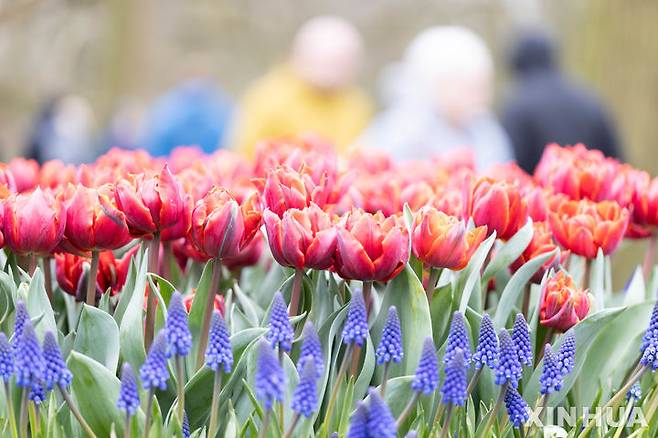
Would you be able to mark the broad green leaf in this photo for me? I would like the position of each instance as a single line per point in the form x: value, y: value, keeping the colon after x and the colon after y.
x: 131, y: 327
x: 516, y: 285
x: 128, y: 288
x: 471, y: 274
x: 95, y: 325
x: 597, y: 281
x: 198, y: 306
x: 635, y: 291
x: 96, y: 391
x: 38, y: 304
x: 441, y: 311
x: 509, y: 251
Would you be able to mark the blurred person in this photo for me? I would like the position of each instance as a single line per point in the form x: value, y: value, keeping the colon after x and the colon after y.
x: 440, y: 97
x: 313, y: 93
x: 127, y: 125
x: 194, y: 113
x: 63, y: 130
x: 547, y: 107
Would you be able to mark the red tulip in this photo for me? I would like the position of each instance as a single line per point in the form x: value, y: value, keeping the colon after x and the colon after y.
x: 562, y: 304
x: 25, y: 172
x: 55, y: 174
x: 221, y: 227
x: 442, y: 241
x: 541, y: 243
x: 219, y: 302
x: 7, y: 182
x: 496, y: 204
x: 248, y: 256
x: 93, y: 221
x: 584, y: 227
x: 34, y: 222
x: 370, y: 246
x: 151, y: 202
x: 302, y: 238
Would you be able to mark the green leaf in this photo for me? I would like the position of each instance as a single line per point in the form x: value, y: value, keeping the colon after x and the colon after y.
x: 636, y: 290
x: 95, y: 325
x: 39, y: 304
x: 129, y: 286
x: 441, y: 311
x: 96, y: 391
x: 471, y: 274
x: 198, y: 306
x: 131, y: 327
x: 509, y: 251
x: 597, y: 281
x: 515, y: 286
x: 406, y: 293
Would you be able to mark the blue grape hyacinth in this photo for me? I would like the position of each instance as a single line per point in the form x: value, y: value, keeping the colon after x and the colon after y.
x: 37, y: 393
x: 508, y: 369
x: 521, y: 337
x: 178, y: 332
x: 56, y: 371
x: 311, y: 349
x: 359, y: 422
x: 219, y: 350
x: 426, y: 378
x: 128, y: 401
x: 566, y: 355
x: 551, y: 376
x: 270, y: 381
x: 390, y: 346
x: 458, y: 338
x: 281, y: 332
x: 186, y: 426
x: 517, y: 408
x: 381, y: 423
x: 20, y: 318
x: 486, y: 352
x: 6, y: 359
x: 635, y: 392
x: 355, y: 330
x: 154, y: 372
x: 305, y: 397
x: 651, y: 334
x: 29, y: 364
x: 455, y: 383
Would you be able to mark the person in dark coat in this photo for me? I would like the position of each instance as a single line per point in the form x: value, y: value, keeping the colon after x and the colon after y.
x: 547, y: 107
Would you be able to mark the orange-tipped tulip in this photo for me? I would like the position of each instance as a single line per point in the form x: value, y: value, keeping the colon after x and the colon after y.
x: 151, y: 202
x: 302, y: 238
x: 221, y: 227
x: 541, y: 243
x: 370, y: 246
x: 563, y: 305
x: 93, y: 221
x: 442, y: 241
x: 34, y: 222
x: 584, y: 227
x: 496, y: 204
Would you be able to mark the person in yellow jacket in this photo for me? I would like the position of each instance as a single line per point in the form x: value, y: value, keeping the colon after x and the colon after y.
x: 314, y: 92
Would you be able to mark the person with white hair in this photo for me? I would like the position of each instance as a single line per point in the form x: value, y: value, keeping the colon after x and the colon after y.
x: 313, y: 93
x: 440, y: 98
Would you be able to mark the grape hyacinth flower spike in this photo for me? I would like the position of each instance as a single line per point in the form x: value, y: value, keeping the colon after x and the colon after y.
x: 269, y: 380
x: 179, y: 339
x: 381, y: 423
x: 29, y: 367
x: 551, y: 376
x: 651, y: 334
x: 128, y: 401
x: 426, y: 379
x: 486, y: 352
x: 311, y: 349
x: 280, y: 333
x: 218, y: 352
x: 521, y: 337
x: 154, y: 374
x: 635, y: 393
x: 359, y: 422
x: 453, y: 390
x: 20, y: 318
x: 390, y: 346
x: 458, y: 338
x: 6, y: 359
x: 566, y: 355
x: 517, y: 408
x: 305, y: 398
x: 508, y: 369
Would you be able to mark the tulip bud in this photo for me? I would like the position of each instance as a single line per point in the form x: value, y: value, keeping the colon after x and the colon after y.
x: 562, y: 304
x: 34, y: 222
x: 584, y: 227
x: 442, y: 241
x: 371, y: 247
x: 302, y: 238
x: 93, y: 221
x: 151, y: 202
x: 496, y: 204
x: 221, y: 227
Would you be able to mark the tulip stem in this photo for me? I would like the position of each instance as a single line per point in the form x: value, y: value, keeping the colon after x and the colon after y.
x: 266, y: 422
x: 152, y: 299
x: 296, y: 291
x: 207, y: 312
x: 167, y: 260
x: 367, y: 295
x: 149, y: 408
x: 10, y: 411
x: 91, y: 280
x: 295, y: 420
x: 334, y: 391
x: 214, y: 405
x: 435, y: 273
x: 48, y: 278
x: 407, y: 410
x: 647, y: 265
x: 496, y: 408
x: 446, y: 424
x: 76, y: 413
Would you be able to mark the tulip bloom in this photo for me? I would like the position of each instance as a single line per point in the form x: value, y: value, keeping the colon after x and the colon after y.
x: 7, y: 182
x: 584, y: 227
x: 93, y: 221
x: 496, y: 204
x: 151, y: 202
x: 34, y: 222
x: 562, y: 304
x: 219, y: 303
x: 370, y: 246
x: 541, y: 243
x: 302, y: 238
x: 442, y: 241
x: 221, y: 227
x: 25, y: 172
